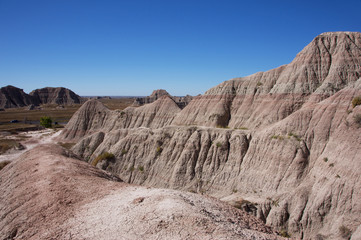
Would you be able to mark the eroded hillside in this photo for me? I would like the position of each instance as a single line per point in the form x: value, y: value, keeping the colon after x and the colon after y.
x: 49, y: 194
x: 286, y: 142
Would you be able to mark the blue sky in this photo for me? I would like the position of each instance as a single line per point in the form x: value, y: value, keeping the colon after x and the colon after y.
x: 132, y: 47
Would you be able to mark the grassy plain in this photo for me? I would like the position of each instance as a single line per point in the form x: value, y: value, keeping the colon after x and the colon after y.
x: 28, y: 119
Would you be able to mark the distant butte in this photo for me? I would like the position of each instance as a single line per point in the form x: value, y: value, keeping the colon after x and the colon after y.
x: 13, y: 97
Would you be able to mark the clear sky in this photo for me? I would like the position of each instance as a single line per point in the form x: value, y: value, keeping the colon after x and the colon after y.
x: 115, y: 47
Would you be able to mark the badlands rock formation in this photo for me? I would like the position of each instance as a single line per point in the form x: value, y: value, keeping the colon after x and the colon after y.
x: 12, y: 97
x: 284, y: 144
x: 48, y: 194
x: 156, y: 94
x: 58, y: 95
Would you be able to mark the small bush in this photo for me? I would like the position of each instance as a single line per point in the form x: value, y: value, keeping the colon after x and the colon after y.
x: 131, y: 169
x: 356, y: 101
x: 159, y: 150
x: 345, y: 232
x: 124, y: 152
x: 331, y: 165
x: 141, y: 168
x: 3, y: 164
x: 46, y: 122
x: 284, y: 233
x: 103, y: 156
x: 325, y: 159
x: 218, y: 144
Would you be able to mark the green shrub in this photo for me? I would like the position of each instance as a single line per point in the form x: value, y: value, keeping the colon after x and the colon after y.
x: 218, y: 144
x: 141, y: 168
x: 159, y: 150
x: 325, y: 159
x: 103, y: 156
x: 356, y: 101
x: 46, y: 122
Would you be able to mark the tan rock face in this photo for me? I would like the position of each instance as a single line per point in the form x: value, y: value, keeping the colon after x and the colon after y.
x: 94, y: 116
x: 329, y: 63
x: 48, y: 194
x: 291, y: 151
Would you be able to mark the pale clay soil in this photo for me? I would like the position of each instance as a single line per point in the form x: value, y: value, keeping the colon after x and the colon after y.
x: 32, y: 139
x: 49, y: 194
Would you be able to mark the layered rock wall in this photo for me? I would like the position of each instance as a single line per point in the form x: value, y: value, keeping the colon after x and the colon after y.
x: 284, y: 143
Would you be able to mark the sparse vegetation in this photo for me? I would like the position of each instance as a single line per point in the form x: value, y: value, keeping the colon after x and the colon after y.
x: 159, y: 150
x: 357, y: 119
x: 259, y: 84
x: 46, y: 122
x: 103, y: 156
x: 131, y: 169
x: 68, y: 145
x: 284, y: 233
x: 356, y: 101
x: 218, y: 144
x: 345, y: 232
x: 124, y: 151
x: 220, y: 126
x: 3, y: 164
x: 6, y: 144
x: 279, y: 137
x: 291, y: 134
x: 141, y: 169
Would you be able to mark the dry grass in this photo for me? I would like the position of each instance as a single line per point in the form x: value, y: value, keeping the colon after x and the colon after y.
x: 60, y: 115
x: 3, y: 164
x: 6, y: 144
x: 103, y: 156
x: 67, y: 145
x: 117, y: 103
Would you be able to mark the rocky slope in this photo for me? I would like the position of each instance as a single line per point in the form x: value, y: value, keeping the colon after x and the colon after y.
x: 58, y: 95
x: 12, y: 97
x: 286, y: 141
x: 156, y: 94
x: 48, y: 194
x: 328, y: 64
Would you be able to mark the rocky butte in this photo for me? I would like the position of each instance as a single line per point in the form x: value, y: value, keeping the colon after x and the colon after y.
x: 12, y: 97
x: 286, y: 143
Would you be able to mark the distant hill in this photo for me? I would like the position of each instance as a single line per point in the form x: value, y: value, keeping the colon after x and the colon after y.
x: 12, y: 97
x: 156, y: 94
